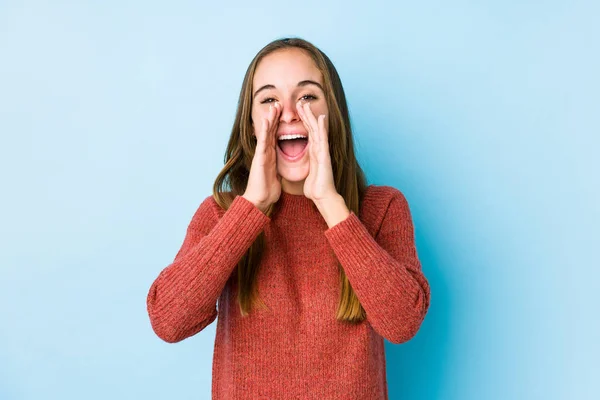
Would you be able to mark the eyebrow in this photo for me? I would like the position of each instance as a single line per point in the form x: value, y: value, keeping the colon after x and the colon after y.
x: 300, y: 84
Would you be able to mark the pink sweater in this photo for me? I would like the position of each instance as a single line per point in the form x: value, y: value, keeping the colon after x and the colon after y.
x: 296, y: 349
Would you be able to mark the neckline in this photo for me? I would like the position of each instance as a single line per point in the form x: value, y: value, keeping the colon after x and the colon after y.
x: 294, y: 204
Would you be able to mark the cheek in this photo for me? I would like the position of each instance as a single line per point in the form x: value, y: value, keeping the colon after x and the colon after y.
x: 256, y: 118
x: 320, y: 108
x: 259, y: 112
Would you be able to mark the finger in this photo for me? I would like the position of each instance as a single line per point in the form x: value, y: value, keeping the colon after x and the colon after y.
x: 275, y: 123
x: 307, y: 126
x: 322, y: 128
x: 312, y: 154
x: 310, y: 117
x: 312, y: 139
x: 262, y: 126
x: 262, y: 133
x: 311, y: 122
x: 265, y: 126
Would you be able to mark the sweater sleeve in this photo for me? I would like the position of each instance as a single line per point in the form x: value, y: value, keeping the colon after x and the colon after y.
x: 182, y: 299
x: 384, y: 271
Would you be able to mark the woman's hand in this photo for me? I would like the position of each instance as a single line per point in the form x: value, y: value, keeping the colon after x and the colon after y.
x: 264, y: 183
x: 319, y: 185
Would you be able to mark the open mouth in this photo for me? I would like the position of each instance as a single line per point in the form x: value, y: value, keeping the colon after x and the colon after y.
x: 292, y: 147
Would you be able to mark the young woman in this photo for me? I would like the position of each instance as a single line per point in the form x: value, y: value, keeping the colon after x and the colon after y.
x: 311, y: 267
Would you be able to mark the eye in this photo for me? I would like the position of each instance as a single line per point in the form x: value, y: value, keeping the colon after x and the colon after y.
x: 306, y: 97
x: 309, y: 97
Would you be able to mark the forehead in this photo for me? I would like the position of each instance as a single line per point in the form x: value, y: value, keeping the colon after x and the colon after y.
x: 286, y: 68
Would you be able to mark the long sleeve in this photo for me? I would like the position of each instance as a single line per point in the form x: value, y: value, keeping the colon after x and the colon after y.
x: 182, y: 299
x: 384, y: 270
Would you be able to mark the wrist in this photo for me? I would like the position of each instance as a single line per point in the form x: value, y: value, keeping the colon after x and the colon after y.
x: 334, y: 210
x: 257, y: 204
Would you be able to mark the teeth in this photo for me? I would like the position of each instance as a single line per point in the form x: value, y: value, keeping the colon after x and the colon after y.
x: 288, y: 137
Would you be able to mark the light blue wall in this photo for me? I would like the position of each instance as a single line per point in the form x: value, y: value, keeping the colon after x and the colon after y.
x: 114, y: 118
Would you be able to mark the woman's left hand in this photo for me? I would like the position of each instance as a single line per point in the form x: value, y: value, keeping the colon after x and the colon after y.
x: 319, y: 185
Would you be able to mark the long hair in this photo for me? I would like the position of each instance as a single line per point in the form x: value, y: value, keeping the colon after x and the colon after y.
x: 349, y: 178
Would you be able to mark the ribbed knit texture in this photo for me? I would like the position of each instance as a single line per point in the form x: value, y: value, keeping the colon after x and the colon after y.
x: 296, y: 349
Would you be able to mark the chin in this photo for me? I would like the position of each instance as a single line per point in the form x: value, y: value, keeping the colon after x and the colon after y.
x: 297, y: 174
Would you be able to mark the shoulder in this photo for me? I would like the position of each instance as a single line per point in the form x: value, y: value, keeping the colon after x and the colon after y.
x: 377, y: 198
x: 207, y: 212
x: 208, y: 203
x: 216, y: 208
x: 381, y: 202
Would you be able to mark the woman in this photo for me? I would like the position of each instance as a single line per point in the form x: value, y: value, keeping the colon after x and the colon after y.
x: 307, y: 290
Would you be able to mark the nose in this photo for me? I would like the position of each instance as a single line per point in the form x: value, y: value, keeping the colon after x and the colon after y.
x: 289, y: 113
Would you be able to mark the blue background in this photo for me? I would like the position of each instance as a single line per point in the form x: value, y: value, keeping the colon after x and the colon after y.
x: 114, y: 119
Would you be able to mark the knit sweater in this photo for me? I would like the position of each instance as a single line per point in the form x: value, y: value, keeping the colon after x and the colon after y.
x: 296, y: 349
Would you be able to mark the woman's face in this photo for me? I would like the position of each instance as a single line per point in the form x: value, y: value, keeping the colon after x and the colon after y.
x: 287, y: 76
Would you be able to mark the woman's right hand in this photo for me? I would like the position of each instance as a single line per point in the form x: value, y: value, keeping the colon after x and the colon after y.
x: 264, y: 183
